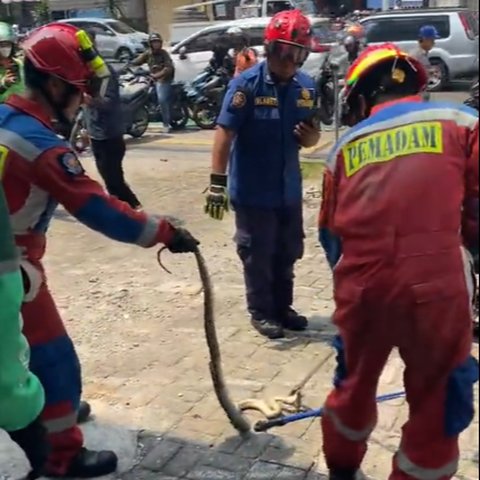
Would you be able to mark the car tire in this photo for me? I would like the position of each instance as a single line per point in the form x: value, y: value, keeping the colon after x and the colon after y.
x: 124, y: 55
x: 444, y: 75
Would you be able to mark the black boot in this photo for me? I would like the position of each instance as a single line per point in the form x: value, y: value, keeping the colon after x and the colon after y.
x: 84, y: 412
x: 342, y: 475
x: 90, y: 464
x: 291, y: 320
x: 268, y: 328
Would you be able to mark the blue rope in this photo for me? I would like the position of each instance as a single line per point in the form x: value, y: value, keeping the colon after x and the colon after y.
x: 263, y: 426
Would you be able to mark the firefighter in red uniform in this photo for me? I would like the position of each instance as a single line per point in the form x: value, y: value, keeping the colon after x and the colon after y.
x: 39, y: 169
x: 399, y: 214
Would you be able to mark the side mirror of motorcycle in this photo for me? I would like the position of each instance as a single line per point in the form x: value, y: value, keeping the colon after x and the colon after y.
x: 183, y: 53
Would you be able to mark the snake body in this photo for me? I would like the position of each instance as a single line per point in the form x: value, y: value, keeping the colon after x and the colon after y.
x: 234, y: 414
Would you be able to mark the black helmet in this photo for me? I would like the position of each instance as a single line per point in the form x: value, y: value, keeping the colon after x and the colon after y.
x: 155, y: 37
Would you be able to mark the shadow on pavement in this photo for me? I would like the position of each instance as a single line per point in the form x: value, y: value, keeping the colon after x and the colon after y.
x: 148, y: 455
x: 321, y: 330
x: 257, y: 457
x: 64, y: 216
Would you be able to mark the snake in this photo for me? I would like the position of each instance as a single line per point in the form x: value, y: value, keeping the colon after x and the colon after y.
x: 233, y: 412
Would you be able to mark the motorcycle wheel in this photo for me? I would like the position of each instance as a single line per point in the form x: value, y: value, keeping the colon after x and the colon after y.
x: 205, y: 116
x: 180, y: 117
x: 139, y: 124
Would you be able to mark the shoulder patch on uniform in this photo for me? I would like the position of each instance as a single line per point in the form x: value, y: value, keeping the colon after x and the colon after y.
x: 239, y: 99
x: 71, y: 164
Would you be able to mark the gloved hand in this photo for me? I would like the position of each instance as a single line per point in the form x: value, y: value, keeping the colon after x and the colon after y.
x: 217, y: 196
x: 33, y: 441
x: 183, y: 242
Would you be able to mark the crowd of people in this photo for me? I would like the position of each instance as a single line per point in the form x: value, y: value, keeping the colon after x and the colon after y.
x: 399, y: 224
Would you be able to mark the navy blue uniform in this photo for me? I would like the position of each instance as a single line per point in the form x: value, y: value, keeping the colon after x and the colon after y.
x: 265, y: 183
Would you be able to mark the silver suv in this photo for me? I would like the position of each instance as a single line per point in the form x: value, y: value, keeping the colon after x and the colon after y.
x: 114, y: 38
x: 456, y: 51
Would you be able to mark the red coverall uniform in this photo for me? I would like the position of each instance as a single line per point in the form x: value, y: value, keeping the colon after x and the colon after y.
x: 400, y: 203
x: 38, y: 169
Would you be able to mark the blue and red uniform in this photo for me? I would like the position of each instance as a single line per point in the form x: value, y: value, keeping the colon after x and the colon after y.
x: 400, y: 204
x: 38, y: 171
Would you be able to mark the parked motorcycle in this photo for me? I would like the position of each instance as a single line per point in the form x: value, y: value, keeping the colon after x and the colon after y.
x: 178, y: 103
x: 134, y: 98
x: 472, y: 100
x: 336, y: 62
x: 205, y: 97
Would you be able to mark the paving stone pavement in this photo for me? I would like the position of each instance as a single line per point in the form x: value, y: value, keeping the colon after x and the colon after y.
x: 139, y: 335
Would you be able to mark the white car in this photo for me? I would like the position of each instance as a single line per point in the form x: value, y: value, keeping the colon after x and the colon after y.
x: 115, y: 39
x: 191, y: 55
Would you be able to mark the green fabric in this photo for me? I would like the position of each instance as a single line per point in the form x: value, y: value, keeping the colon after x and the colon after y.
x: 21, y: 395
x: 6, y: 33
x: 17, y: 88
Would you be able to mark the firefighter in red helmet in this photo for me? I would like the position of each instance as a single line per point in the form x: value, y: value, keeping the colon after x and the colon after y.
x: 267, y: 115
x: 399, y: 221
x: 38, y: 171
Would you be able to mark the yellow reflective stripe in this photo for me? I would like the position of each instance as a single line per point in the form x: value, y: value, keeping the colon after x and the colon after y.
x: 348, y: 433
x: 61, y: 424
x: 415, y: 471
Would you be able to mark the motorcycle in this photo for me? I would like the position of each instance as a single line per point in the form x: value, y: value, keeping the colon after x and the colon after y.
x: 472, y: 100
x: 179, y: 110
x: 205, y: 97
x: 133, y: 98
x: 335, y: 63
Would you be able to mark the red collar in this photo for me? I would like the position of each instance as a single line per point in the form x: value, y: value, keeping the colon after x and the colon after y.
x: 31, y: 108
x: 412, y: 98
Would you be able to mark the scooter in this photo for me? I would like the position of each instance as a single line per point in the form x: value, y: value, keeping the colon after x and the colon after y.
x: 179, y: 110
x: 472, y: 100
x: 205, y: 97
x: 133, y: 98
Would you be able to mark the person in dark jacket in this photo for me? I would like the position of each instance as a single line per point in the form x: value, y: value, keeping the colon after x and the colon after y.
x: 105, y: 128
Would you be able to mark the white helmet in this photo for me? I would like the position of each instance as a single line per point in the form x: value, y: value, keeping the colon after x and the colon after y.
x: 234, y: 31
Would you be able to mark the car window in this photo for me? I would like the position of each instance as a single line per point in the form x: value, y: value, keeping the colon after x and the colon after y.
x: 256, y: 35
x: 120, y: 27
x: 324, y: 34
x: 472, y: 21
x: 404, y: 28
x: 204, y: 41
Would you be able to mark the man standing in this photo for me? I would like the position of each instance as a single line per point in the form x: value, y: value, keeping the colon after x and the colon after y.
x: 398, y: 218
x: 11, y: 69
x: 40, y: 170
x: 426, y: 41
x: 244, y: 56
x: 163, y: 72
x: 104, y: 121
x: 266, y: 117
x: 22, y: 397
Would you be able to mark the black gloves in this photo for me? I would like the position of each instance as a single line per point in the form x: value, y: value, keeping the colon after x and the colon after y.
x: 33, y: 441
x: 183, y: 242
x: 217, y: 202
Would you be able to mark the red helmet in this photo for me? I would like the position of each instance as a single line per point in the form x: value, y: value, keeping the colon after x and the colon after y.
x: 289, y: 26
x: 57, y: 49
x: 289, y: 34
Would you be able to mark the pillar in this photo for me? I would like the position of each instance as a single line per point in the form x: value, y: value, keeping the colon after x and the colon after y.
x: 160, y: 15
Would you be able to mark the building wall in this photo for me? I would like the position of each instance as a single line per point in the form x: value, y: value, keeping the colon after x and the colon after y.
x: 160, y: 14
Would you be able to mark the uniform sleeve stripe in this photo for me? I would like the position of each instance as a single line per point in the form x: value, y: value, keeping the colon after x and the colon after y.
x: 18, y: 144
x: 460, y: 116
x: 149, y: 234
